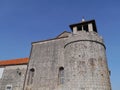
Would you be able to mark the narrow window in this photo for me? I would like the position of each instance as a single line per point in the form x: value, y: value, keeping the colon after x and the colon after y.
x: 61, y: 75
x: 85, y: 28
x: 30, y: 76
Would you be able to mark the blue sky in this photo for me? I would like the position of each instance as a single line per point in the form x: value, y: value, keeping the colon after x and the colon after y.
x: 26, y: 21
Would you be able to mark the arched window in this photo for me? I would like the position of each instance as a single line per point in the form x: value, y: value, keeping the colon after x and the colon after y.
x: 30, y: 76
x: 61, y: 75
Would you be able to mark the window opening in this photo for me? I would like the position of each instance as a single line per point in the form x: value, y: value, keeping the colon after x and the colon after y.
x: 85, y: 27
x: 61, y: 75
x: 79, y: 28
x: 31, y: 76
x: 8, y: 87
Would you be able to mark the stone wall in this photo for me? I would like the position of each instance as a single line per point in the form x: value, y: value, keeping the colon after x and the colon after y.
x: 46, y: 58
x: 82, y: 59
x: 13, y: 76
x: 85, y: 63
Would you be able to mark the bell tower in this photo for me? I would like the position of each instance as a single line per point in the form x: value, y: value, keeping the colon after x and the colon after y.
x: 85, y: 59
x: 87, y: 26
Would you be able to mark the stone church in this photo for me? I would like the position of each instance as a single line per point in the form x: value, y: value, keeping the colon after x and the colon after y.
x: 71, y: 61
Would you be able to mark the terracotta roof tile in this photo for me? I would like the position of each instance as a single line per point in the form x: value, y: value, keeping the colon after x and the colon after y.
x: 14, y: 62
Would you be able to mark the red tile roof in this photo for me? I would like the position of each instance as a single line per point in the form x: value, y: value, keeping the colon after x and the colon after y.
x: 18, y: 61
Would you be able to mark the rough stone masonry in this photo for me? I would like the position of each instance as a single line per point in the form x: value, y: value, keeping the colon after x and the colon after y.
x: 71, y: 61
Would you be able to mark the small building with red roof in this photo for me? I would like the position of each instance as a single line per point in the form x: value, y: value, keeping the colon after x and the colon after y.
x: 12, y: 73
